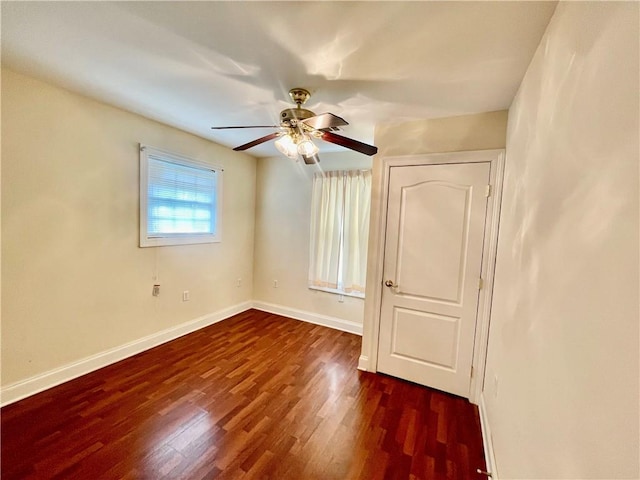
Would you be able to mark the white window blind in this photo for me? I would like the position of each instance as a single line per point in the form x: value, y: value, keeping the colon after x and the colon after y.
x: 179, y: 200
x: 339, y: 231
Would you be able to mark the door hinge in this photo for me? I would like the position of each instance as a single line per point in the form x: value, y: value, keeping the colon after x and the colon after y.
x: 488, y: 191
x: 480, y: 283
x: 471, y: 371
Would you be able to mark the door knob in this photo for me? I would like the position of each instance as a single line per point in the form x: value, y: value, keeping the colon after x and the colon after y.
x: 389, y: 283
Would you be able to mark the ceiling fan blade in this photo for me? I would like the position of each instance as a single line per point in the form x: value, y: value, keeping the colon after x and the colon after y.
x: 349, y: 143
x: 260, y: 140
x: 325, y: 120
x: 248, y: 126
x: 312, y: 159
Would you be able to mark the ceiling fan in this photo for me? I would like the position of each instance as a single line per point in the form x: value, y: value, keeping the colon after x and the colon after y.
x: 298, y: 126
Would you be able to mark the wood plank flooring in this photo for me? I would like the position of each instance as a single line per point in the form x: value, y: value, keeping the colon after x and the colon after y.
x: 255, y: 396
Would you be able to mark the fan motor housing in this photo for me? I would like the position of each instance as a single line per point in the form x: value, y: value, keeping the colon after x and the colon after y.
x: 294, y: 115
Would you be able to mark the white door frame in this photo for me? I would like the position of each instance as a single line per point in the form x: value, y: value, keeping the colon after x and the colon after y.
x: 373, y: 300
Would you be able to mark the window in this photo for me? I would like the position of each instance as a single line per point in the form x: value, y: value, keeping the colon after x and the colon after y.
x: 339, y: 231
x: 180, y: 199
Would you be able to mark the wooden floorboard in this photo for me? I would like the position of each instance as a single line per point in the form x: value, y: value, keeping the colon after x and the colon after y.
x: 255, y: 396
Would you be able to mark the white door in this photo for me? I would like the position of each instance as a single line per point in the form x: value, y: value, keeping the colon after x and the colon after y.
x: 432, y: 265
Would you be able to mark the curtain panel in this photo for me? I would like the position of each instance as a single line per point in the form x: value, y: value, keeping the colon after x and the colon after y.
x: 340, y: 206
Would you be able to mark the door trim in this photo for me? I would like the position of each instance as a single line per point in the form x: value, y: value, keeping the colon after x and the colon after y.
x: 373, y: 299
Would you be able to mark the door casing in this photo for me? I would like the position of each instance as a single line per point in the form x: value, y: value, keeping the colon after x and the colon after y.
x: 373, y: 300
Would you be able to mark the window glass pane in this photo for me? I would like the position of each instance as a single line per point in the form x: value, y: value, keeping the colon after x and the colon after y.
x: 181, y: 199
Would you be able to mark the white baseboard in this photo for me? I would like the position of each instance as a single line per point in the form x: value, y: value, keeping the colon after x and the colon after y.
x: 315, y: 318
x: 363, y: 363
x: 25, y: 388
x: 487, y: 440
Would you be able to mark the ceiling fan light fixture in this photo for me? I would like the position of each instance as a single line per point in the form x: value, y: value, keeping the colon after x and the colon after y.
x: 287, y: 146
x: 306, y: 147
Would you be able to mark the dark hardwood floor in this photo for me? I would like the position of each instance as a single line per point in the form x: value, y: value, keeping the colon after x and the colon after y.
x: 255, y: 396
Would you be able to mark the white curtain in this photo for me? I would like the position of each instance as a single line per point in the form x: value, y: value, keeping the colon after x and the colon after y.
x: 357, y: 202
x: 339, y: 231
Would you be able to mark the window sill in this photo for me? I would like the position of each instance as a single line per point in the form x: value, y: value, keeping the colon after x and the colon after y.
x: 335, y: 291
x: 179, y: 240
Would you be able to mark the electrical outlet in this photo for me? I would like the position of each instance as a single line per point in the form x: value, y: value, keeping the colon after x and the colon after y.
x: 156, y: 290
x: 185, y: 296
x: 275, y: 284
x: 340, y: 298
x: 239, y: 282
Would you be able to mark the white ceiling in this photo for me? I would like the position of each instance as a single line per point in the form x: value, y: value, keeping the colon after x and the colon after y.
x: 194, y: 65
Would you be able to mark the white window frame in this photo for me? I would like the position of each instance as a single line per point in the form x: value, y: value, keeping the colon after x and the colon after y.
x: 146, y: 240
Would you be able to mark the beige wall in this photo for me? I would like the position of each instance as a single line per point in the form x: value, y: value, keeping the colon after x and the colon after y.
x: 283, y: 212
x: 74, y: 281
x: 564, y: 329
x: 483, y: 131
